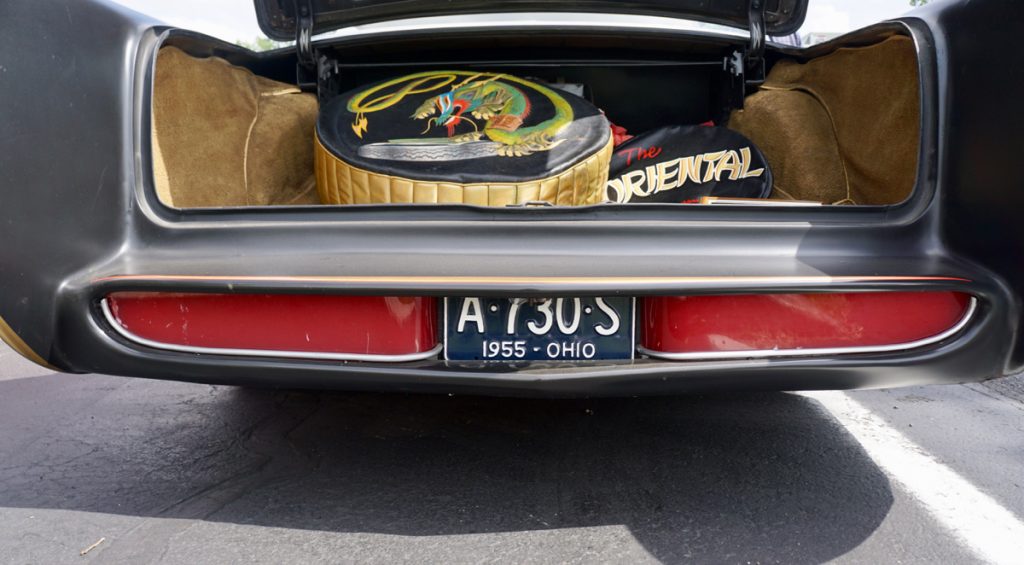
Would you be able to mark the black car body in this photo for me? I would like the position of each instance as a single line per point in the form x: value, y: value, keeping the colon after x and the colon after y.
x: 79, y: 218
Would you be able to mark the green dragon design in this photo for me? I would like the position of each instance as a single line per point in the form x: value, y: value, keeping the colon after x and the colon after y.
x: 492, y: 97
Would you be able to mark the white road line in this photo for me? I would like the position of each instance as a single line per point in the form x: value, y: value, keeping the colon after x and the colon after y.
x: 984, y: 526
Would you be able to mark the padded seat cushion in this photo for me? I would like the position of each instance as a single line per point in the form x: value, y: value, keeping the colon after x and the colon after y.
x: 488, y: 139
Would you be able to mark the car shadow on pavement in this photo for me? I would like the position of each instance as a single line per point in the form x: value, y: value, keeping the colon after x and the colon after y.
x: 746, y: 477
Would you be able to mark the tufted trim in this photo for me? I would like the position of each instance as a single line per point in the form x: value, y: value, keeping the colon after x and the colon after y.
x: 341, y: 183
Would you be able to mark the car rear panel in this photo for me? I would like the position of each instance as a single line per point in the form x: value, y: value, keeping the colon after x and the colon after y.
x: 80, y: 221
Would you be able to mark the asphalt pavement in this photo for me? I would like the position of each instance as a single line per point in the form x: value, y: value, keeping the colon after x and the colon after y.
x: 138, y: 471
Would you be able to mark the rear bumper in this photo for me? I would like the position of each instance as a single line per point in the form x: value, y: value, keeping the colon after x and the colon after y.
x: 956, y: 361
x: 975, y: 351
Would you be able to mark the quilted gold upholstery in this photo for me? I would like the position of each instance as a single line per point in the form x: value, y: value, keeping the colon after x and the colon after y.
x: 341, y: 183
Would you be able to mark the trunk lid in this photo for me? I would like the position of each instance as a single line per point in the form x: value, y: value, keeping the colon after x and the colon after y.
x: 279, y: 18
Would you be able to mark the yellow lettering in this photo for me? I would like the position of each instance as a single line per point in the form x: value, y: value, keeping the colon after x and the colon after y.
x: 689, y: 169
x: 730, y: 162
x: 633, y: 182
x: 745, y: 172
x: 615, y: 186
x: 652, y: 180
x: 711, y: 159
x: 674, y: 173
x: 666, y: 177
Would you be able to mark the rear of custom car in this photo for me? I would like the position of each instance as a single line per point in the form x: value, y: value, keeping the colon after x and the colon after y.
x: 888, y: 253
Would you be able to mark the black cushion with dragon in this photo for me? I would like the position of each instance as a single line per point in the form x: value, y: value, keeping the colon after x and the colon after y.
x: 461, y: 136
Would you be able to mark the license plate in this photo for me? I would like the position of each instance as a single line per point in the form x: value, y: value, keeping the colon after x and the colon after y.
x: 554, y: 329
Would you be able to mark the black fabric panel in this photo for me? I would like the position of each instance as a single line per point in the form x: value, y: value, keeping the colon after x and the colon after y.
x: 685, y: 163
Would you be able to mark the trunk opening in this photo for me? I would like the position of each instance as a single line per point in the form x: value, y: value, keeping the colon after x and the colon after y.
x: 232, y: 129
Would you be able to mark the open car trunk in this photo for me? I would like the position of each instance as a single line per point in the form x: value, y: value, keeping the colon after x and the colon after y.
x: 838, y: 124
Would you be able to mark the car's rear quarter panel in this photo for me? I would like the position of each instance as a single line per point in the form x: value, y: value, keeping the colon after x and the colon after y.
x: 66, y: 159
x: 981, y: 197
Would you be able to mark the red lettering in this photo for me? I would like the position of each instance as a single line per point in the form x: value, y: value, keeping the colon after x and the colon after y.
x: 629, y: 154
x: 653, y: 152
x: 639, y: 153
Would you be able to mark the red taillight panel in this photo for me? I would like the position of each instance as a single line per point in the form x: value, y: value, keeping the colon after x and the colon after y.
x: 774, y: 322
x: 327, y: 324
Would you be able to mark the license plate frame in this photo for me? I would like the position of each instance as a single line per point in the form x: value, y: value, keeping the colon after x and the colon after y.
x: 584, y: 343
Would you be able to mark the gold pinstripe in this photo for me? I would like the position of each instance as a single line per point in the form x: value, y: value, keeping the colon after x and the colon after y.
x: 441, y: 280
x: 8, y: 336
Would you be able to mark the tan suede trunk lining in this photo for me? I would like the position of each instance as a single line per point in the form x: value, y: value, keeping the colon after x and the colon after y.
x: 223, y: 136
x: 840, y: 129
x: 341, y: 183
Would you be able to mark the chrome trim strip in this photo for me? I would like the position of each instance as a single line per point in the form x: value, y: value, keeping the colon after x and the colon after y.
x: 632, y: 333
x: 264, y: 352
x: 767, y: 353
x: 444, y: 336
x: 540, y: 20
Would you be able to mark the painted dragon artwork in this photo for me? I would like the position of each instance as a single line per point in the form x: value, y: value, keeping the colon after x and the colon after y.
x: 459, y: 136
x: 495, y: 105
x: 495, y: 139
